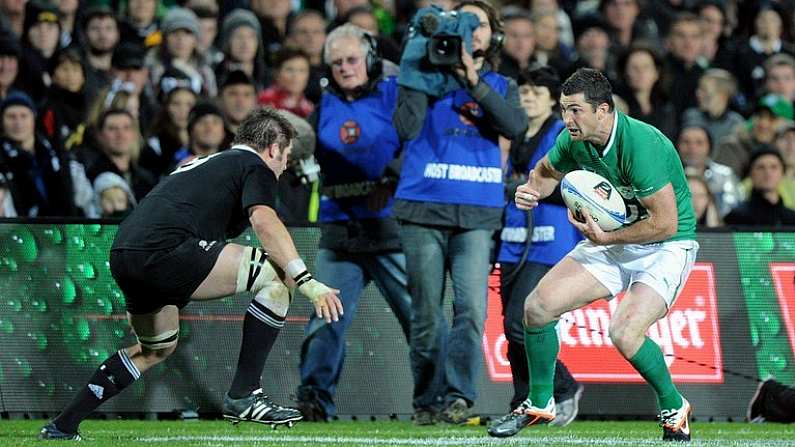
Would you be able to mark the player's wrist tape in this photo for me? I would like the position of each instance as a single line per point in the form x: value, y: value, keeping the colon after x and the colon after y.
x: 295, y: 268
x: 310, y: 287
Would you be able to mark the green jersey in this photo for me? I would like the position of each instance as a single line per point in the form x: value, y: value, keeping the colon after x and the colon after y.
x: 638, y: 160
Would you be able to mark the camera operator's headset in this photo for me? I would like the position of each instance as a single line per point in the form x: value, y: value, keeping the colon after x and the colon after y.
x: 372, y: 60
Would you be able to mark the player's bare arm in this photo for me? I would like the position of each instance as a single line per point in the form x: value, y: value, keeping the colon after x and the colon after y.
x: 541, y: 183
x: 276, y: 240
x: 660, y: 225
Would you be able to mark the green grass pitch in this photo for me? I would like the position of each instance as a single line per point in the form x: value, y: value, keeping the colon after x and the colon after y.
x: 19, y: 433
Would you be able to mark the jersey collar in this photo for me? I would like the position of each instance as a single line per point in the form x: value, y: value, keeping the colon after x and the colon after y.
x: 613, y: 133
x: 244, y: 147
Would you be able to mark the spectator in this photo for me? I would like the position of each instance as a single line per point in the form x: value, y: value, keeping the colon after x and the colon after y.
x: 642, y: 88
x: 764, y: 206
x: 308, y: 33
x: 129, y: 69
x: 771, y: 114
x: 623, y: 16
x: 6, y: 200
x: 119, y: 147
x: 140, y: 25
x: 780, y: 75
x: 40, y: 176
x: 530, y: 246
x: 365, y: 17
x: 238, y: 98
x: 765, y: 42
x: 359, y: 240
x: 63, y: 114
x: 518, y: 51
x: 785, y: 143
x: 67, y: 13
x: 704, y: 205
x: 718, y: 48
x: 207, y: 133
x: 593, y: 47
x: 715, y: 90
x: 449, y: 217
x: 548, y: 49
x: 241, y: 43
x: 114, y: 198
x: 565, y: 33
x: 772, y: 402
x: 273, y: 17
x: 169, y: 134
x: 101, y: 32
x: 682, y: 69
x: 12, y: 16
x: 9, y: 62
x: 695, y: 146
x: 179, y: 50
x: 207, y: 13
x: 287, y: 92
x: 39, y: 41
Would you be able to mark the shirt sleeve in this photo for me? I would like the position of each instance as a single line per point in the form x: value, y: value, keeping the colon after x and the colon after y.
x: 560, y: 155
x: 259, y: 187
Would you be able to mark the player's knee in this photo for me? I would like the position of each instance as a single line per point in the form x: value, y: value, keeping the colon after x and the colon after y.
x: 536, y: 313
x: 156, y: 348
x: 255, y: 271
x: 623, y: 335
x: 271, y: 304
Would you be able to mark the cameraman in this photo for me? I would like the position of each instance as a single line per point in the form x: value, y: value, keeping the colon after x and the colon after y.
x: 359, y: 239
x: 449, y: 202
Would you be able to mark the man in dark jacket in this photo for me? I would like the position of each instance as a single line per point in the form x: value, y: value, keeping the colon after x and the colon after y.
x: 764, y: 206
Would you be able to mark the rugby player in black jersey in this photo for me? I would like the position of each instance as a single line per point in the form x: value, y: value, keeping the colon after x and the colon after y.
x: 172, y: 249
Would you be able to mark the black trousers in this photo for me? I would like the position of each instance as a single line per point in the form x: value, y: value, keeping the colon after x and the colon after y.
x: 515, y: 286
x: 777, y: 402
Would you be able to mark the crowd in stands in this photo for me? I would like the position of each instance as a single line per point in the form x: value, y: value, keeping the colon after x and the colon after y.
x: 100, y: 99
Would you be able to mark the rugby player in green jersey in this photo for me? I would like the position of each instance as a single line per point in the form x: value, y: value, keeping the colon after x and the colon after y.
x: 649, y: 258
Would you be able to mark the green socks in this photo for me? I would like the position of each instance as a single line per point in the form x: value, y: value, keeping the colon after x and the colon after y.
x: 649, y: 362
x: 542, y: 346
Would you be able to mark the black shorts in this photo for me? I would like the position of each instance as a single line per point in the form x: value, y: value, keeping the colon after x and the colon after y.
x: 151, y: 279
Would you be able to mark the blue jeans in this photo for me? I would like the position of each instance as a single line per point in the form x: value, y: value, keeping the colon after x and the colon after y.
x: 430, y: 252
x: 323, y: 349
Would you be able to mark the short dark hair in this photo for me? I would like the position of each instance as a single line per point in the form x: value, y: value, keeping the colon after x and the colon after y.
x: 112, y: 112
x: 541, y: 76
x: 263, y: 127
x: 285, y: 54
x: 593, y: 84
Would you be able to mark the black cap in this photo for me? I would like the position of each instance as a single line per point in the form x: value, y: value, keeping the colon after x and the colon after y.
x: 9, y: 45
x: 40, y: 11
x: 128, y: 56
x: 236, y: 77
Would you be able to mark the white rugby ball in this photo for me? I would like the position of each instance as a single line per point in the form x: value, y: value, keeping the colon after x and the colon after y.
x: 587, y: 191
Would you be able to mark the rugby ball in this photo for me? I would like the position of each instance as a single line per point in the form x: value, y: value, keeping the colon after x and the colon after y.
x: 586, y: 191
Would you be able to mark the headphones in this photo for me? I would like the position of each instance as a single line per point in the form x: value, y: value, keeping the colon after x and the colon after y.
x: 372, y: 59
x: 497, y: 39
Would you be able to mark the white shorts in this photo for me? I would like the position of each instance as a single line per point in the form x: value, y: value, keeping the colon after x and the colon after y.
x: 663, y: 266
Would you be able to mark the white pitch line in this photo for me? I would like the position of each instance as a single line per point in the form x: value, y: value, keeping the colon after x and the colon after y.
x: 456, y: 441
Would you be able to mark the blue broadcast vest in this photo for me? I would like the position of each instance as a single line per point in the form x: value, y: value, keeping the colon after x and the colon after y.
x: 553, y: 235
x: 450, y: 161
x: 356, y: 141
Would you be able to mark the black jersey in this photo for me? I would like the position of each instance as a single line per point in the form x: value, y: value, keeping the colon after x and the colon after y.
x: 207, y: 199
